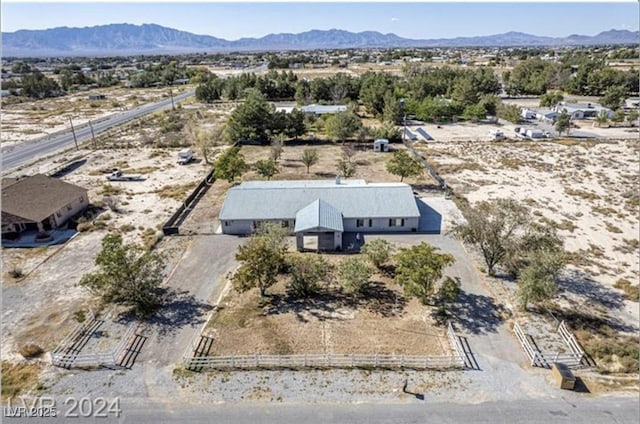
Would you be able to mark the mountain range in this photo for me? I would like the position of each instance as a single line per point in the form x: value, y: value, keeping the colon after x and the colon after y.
x: 128, y: 39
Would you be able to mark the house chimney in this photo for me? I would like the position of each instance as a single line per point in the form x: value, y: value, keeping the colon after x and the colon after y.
x: 337, y: 179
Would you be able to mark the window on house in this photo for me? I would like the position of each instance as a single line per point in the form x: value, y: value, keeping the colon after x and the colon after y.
x: 359, y: 222
x: 370, y: 222
x: 69, y: 207
x: 396, y: 222
x: 285, y: 224
x: 227, y: 223
x: 81, y: 199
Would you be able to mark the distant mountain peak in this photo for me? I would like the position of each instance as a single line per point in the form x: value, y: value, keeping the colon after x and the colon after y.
x: 150, y: 38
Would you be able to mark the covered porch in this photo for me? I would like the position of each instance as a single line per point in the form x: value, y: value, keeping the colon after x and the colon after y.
x: 319, y: 227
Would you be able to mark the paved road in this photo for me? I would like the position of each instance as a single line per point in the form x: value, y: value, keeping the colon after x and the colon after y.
x: 619, y: 410
x: 14, y: 156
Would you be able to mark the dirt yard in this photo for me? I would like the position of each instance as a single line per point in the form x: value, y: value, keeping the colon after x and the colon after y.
x: 586, y: 190
x: 370, y: 166
x: 26, y: 120
x: 381, y: 320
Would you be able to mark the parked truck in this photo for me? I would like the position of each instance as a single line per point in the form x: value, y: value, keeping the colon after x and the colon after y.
x: 185, y: 156
x: 119, y: 176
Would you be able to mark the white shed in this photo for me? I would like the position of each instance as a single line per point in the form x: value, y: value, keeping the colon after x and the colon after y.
x: 381, y: 145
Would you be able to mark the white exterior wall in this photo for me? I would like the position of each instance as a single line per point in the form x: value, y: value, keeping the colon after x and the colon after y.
x: 246, y: 226
x: 61, y: 216
x: 379, y: 225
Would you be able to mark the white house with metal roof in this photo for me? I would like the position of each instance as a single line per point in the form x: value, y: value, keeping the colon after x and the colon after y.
x: 322, y: 209
x: 582, y: 111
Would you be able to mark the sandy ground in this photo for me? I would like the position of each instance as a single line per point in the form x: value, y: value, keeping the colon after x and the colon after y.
x: 587, y: 190
x: 28, y: 120
x: 380, y: 321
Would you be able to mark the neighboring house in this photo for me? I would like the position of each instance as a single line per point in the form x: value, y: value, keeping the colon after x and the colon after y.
x: 528, y: 113
x: 381, y: 145
x: 582, y: 111
x: 39, y: 203
x: 315, y: 109
x: 548, y: 115
x: 320, y: 209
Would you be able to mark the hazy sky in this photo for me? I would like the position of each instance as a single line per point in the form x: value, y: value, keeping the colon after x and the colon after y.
x: 412, y: 20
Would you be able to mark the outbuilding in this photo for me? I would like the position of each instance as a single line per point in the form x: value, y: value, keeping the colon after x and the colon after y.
x: 381, y: 145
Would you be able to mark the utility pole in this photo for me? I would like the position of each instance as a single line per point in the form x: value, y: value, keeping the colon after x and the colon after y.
x: 173, y: 107
x: 73, y: 131
x: 93, y: 136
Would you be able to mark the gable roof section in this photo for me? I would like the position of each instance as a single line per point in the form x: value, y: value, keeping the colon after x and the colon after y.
x: 37, y: 197
x: 274, y: 200
x: 319, y: 215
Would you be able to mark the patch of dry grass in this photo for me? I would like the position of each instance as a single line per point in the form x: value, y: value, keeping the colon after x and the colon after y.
x: 586, y: 195
x: 18, y: 378
x: 631, y: 292
x: 177, y: 191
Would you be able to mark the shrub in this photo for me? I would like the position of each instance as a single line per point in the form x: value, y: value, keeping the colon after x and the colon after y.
x: 16, y: 272
x: 354, y: 274
x: 30, y: 350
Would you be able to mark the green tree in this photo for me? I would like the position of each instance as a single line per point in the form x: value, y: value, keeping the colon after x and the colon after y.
x: 419, y: 268
x: 447, y: 293
x: 602, y: 118
x: 307, y: 271
x: 354, y: 274
x: 127, y: 274
x: 534, y: 239
x: 491, y: 226
x: 310, y: 157
x: 262, y: 258
x: 563, y: 123
x: 392, y: 112
x: 511, y: 113
x: 346, y: 168
x: 38, y: 86
x: 474, y: 113
x: 266, y: 168
x: 342, y: 125
x: 403, y: 165
x: 551, y: 98
x: 618, y: 116
x: 632, y: 117
x: 230, y: 164
x: 537, y: 282
x: 614, y: 97
x: 251, y: 120
x: 378, y: 251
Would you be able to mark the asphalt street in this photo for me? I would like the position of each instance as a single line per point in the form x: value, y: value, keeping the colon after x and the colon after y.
x: 19, y: 154
x: 619, y: 410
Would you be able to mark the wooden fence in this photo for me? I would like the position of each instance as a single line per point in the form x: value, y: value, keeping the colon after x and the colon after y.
x: 193, y: 361
x: 329, y: 360
x: 68, y: 354
x: 545, y: 359
x: 172, y: 226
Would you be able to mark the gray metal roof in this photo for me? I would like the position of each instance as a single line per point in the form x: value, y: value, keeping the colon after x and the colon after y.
x: 319, y: 215
x: 283, y: 199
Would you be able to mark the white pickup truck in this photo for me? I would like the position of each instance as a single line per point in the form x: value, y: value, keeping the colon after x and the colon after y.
x: 119, y: 176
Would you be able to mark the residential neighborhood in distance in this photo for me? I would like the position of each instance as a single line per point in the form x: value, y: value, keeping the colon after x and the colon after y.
x: 320, y: 212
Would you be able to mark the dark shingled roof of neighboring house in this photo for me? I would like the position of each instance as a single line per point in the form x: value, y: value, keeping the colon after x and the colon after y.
x: 37, y: 197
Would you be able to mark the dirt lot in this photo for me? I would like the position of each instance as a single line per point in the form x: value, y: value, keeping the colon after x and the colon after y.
x: 587, y: 190
x: 381, y: 320
x: 370, y: 166
x: 26, y: 120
